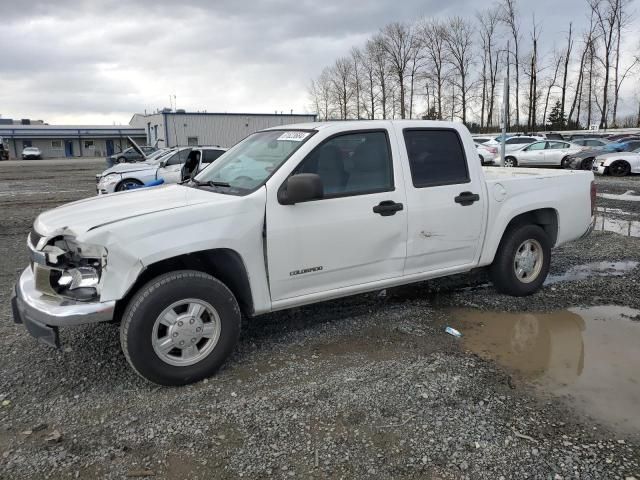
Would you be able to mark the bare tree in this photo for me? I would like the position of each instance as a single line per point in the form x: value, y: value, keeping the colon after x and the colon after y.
x: 369, y: 70
x: 606, y: 13
x: 398, y: 42
x: 433, y: 39
x: 321, y: 92
x: 459, y: 42
x: 381, y: 68
x: 509, y: 17
x: 552, y: 83
x: 356, y: 58
x: 623, y: 20
x: 488, y: 26
x: 341, y: 75
x: 567, y: 59
x: 533, y: 78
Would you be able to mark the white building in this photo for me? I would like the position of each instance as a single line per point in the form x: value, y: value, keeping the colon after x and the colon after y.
x: 70, y: 140
x: 178, y: 128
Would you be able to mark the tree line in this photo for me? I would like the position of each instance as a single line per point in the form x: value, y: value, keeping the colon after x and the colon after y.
x: 453, y: 69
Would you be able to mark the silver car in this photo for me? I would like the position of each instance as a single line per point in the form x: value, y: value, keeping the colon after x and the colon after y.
x: 542, y: 153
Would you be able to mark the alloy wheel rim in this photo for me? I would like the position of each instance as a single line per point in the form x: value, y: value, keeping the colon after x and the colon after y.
x: 527, y: 262
x: 186, y: 332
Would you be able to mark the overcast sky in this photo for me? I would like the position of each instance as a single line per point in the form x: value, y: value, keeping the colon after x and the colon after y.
x: 100, y: 61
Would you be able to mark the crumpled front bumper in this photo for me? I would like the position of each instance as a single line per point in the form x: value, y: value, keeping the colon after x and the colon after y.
x: 43, y: 314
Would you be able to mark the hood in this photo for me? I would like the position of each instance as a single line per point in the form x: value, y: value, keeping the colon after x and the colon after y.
x: 617, y: 155
x: 79, y: 217
x: 129, y: 167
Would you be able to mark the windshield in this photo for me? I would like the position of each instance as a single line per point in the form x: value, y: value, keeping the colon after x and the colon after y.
x: 251, y: 162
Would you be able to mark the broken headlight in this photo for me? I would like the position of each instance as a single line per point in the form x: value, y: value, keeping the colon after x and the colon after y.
x: 75, y: 269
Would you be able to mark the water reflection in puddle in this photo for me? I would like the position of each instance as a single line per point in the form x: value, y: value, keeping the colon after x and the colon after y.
x: 595, y: 269
x: 589, y: 354
x: 605, y: 223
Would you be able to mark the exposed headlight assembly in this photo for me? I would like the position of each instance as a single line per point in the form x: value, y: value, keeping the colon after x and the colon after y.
x: 74, y: 269
x: 109, y: 179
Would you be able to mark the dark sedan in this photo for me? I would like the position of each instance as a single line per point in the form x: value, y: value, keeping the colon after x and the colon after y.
x: 584, y: 160
x: 129, y: 155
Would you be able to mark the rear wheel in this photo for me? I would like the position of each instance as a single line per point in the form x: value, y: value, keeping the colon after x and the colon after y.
x: 619, y: 168
x: 522, y: 261
x: 180, y: 327
x: 510, y: 162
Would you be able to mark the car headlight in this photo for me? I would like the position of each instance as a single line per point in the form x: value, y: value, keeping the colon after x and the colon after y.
x: 75, y: 268
x: 109, y: 179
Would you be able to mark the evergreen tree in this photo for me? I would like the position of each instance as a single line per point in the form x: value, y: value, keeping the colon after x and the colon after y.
x: 557, y: 120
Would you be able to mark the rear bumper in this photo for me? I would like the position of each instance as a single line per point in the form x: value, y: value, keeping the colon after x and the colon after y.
x: 43, y: 314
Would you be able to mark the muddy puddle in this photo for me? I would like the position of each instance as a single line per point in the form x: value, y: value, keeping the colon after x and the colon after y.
x: 595, y: 269
x: 589, y: 356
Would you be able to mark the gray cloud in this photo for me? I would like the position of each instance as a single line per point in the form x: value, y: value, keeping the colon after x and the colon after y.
x: 104, y: 60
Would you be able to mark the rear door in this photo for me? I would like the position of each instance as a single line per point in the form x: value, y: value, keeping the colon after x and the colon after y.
x: 344, y: 239
x: 555, y: 152
x: 446, y: 201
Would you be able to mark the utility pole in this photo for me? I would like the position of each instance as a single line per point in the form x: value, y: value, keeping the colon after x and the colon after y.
x: 505, y: 112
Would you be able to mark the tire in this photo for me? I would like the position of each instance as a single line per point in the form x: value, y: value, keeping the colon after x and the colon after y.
x: 510, y: 162
x: 121, y: 160
x: 619, y: 168
x: 503, y: 270
x: 586, y: 164
x: 141, y: 325
x: 127, y: 184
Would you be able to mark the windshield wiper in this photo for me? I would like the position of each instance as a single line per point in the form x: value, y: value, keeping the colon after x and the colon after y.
x: 211, y: 183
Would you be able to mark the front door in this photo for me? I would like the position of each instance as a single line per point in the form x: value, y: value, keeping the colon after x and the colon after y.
x: 356, y: 234
x: 446, y: 202
x: 68, y: 148
x: 534, y: 154
x: 171, y: 171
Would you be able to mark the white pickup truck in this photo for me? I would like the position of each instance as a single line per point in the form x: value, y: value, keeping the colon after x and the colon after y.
x: 291, y: 216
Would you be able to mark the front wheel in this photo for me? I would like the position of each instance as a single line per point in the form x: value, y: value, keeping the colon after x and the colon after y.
x: 619, y: 168
x: 510, y: 162
x: 180, y: 327
x: 128, y: 184
x: 586, y: 164
x: 121, y: 160
x: 521, y: 264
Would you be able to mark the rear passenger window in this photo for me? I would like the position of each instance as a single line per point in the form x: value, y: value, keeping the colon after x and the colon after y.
x: 436, y: 157
x: 352, y: 164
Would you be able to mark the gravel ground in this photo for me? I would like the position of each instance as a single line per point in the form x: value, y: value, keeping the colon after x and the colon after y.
x: 364, y: 387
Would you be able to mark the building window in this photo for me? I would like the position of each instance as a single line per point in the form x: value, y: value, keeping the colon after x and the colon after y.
x: 89, y: 144
x: 56, y: 143
x: 192, y: 141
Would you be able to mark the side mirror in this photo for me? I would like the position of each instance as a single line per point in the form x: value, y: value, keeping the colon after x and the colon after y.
x: 302, y: 187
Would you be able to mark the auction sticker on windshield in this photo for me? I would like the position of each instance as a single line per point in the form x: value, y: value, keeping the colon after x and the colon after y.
x: 293, y: 136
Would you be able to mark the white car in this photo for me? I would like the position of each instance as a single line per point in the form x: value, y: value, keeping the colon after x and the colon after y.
x: 30, y: 153
x: 290, y: 216
x: 514, y: 143
x: 543, y: 153
x: 487, y: 153
x: 617, y: 164
x: 172, y: 166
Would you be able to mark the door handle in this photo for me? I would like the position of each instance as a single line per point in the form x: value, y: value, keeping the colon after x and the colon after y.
x: 467, y: 198
x: 388, y: 207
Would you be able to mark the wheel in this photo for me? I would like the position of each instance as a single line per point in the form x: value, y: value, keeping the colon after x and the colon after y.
x: 128, y: 184
x: 619, y: 168
x: 510, y: 162
x: 180, y: 327
x: 586, y: 164
x: 564, y: 163
x: 121, y: 160
x: 522, y: 261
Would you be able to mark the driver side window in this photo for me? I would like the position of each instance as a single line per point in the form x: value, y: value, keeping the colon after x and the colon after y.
x: 179, y: 157
x: 352, y: 164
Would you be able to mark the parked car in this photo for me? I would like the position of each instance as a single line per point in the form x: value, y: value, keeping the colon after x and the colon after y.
x: 131, y: 154
x: 31, y: 153
x: 173, y: 166
x: 554, y: 136
x: 515, y: 142
x: 290, y: 216
x: 584, y: 160
x: 481, y: 139
x: 590, y: 142
x: 545, y: 153
x: 487, y: 153
x: 617, y: 164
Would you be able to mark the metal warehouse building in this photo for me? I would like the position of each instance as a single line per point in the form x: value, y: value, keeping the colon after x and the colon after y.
x: 69, y: 140
x: 175, y: 128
